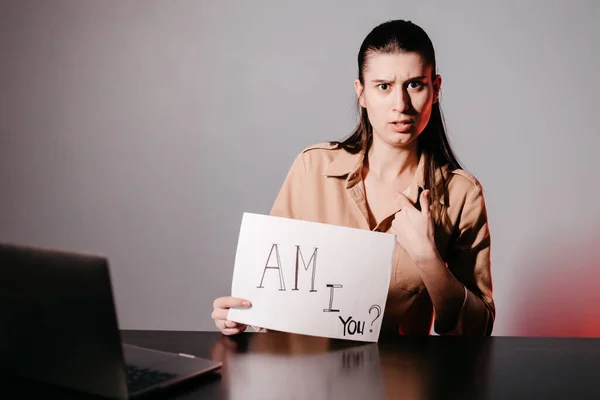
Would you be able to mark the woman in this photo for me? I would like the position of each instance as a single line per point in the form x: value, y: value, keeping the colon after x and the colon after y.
x: 396, y: 173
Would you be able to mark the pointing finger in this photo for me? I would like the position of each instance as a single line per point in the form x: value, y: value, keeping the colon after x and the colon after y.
x: 425, y: 202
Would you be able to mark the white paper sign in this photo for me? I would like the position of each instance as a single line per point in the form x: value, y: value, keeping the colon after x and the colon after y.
x: 311, y: 278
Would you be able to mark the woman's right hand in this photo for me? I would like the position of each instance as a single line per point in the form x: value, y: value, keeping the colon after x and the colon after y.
x: 221, y: 307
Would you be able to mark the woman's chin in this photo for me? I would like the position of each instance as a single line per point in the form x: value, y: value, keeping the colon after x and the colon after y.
x: 402, y: 140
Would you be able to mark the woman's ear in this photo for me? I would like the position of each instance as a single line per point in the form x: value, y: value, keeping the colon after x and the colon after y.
x: 437, y: 86
x: 358, y: 87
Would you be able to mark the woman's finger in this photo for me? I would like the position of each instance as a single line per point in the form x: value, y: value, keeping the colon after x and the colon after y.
x: 229, y: 302
x: 231, y: 324
x: 233, y: 331
x: 219, y: 314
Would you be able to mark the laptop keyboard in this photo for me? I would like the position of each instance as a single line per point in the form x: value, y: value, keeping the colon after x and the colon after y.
x: 142, y: 378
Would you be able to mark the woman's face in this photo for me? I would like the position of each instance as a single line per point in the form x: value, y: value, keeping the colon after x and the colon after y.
x: 398, y: 94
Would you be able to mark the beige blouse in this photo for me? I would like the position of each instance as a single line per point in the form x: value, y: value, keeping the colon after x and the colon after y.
x: 324, y: 185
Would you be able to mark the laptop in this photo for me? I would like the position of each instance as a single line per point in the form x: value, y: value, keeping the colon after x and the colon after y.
x: 58, y: 325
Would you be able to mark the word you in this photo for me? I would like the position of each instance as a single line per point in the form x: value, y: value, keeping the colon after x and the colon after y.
x: 353, y: 327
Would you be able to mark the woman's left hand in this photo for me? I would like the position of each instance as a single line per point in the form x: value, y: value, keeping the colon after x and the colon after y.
x: 414, y: 229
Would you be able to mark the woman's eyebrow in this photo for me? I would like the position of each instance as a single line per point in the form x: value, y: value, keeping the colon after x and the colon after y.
x: 420, y: 78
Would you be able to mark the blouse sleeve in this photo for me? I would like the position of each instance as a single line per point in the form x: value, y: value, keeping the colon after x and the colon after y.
x: 470, y: 263
x: 289, y: 200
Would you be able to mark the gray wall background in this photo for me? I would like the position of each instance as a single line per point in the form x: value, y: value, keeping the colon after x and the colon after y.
x: 143, y: 130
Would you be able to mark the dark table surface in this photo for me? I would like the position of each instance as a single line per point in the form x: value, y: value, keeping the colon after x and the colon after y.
x: 284, y: 366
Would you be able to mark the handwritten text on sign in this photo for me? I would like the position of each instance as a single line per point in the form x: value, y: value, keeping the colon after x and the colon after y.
x: 340, y: 292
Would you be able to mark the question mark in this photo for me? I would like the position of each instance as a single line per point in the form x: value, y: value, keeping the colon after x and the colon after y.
x: 378, y: 314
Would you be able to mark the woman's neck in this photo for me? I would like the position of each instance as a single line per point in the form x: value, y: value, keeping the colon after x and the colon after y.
x: 388, y: 163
